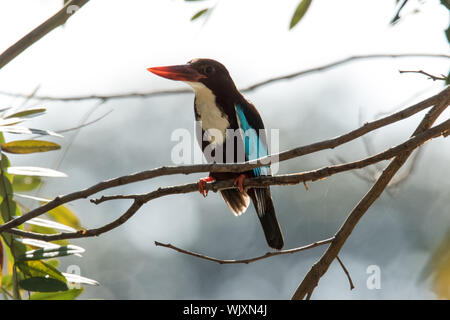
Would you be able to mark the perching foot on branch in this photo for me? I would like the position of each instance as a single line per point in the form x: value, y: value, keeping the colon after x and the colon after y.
x: 202, y: 183
x: 239, y: 182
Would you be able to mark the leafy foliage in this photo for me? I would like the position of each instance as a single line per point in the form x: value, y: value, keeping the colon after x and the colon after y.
x: 30, y: 265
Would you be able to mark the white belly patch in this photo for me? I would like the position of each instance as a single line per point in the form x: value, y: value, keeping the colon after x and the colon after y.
x: 214, y: 121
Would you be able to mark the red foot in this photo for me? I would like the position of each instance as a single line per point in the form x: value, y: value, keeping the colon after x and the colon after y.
x: 202, y: 183
x: 239, y: 181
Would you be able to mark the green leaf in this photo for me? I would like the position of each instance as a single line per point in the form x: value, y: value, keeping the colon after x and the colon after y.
x: 36, y: 171
x: 29, y: 146
x: 199, y: 14
x: 37, y: 243
x: 65, y: 295
x: 44, y: 230
x: 75, y: 278
x: 299, y: 12
x: 50, y: 224
x: 25, y: 183
x: 447, y: 81
x: 41, y: 269
x: 65, y: 216
x: 8, y: 206
x: 25, y: 130
x: 7, y: 281
x: 47, y: 253
x: 43, y: 284
x: 53, y: 262
x: 27, y: 113
x: 10, y: 121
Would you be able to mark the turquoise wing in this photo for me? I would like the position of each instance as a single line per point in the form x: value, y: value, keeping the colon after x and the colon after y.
x: 254, y: 145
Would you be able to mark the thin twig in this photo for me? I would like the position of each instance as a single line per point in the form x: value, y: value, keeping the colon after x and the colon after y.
x: 372, y: 176
x: 400, y: 178
x: 53, y: 22
x: 244, y: 261
x: 312, y: 278
x: 136, y: 205
x: 83, y: 125
x: 430, y: 76
x: 245, y: 89
x: 346, y: 273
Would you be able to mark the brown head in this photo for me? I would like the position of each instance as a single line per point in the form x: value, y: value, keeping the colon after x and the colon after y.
x: 208, y: 72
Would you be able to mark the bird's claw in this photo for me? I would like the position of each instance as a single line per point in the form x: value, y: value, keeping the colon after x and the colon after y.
x: 239, y: 182
x: 202, y: 184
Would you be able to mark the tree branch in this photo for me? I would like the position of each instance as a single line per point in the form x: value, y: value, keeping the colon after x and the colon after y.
x: 187, y: 169
x: 430, y: 76
x: 245, y: 261
x: 313, y: 276
x: 352, y: 286
x: 81, y: 233
x: 53, y: 22
x: 245, y: 89
x: 140, y: 199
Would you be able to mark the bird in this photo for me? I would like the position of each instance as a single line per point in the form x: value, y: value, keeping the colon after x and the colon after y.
x: 220, y: 109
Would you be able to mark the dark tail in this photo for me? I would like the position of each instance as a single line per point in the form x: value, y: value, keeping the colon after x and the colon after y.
x: 262, y: 201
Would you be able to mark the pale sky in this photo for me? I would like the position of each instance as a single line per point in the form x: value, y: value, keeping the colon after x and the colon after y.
x: 107, y: 45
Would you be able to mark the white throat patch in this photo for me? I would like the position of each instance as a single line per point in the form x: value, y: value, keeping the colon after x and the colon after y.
x: 213, y: 120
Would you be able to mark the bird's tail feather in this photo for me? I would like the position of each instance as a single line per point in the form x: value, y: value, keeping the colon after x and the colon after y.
x: 266, y: 212
x: 237, y: 201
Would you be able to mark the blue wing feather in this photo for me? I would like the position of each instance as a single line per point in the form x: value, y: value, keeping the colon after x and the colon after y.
x: 254, y: 146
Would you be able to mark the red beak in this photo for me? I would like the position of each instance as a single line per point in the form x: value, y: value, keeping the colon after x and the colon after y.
x: 183, y: 72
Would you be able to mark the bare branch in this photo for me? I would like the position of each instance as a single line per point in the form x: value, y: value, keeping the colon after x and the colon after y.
x: 371, y: 175
x: 238, y: 167
x: 81, y: 233
x: 430, y: 76
x: 313, y: 276
x: 352, y: 286
x: 245, y: 89
x: 140, y: 199
x: 400, y: 178
x: 53, y: 22
x: 342, y: 62
x: 249, y: 260
x: 83, y: 125
x: 260, y: 181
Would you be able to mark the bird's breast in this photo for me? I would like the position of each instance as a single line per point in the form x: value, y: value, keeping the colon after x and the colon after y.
x: 213, y: 120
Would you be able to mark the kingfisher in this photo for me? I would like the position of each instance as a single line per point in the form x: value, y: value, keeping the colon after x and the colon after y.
x: 221, y: 111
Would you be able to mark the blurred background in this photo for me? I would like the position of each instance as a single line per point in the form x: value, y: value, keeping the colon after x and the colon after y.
x: 105, y: 49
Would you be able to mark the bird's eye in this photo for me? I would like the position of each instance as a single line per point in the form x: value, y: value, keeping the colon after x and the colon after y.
x: 209, y: 69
